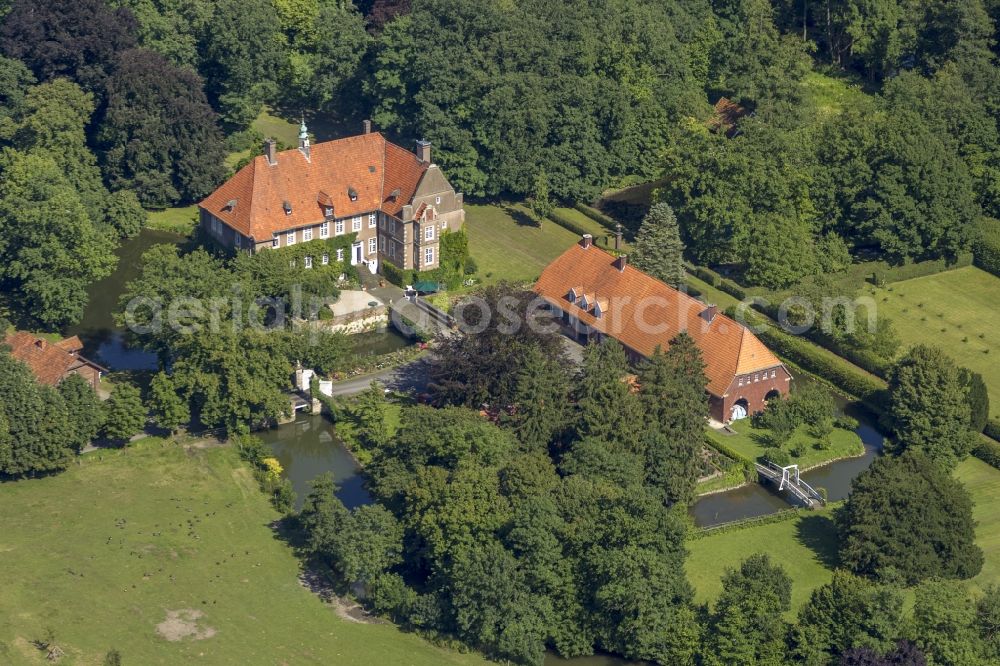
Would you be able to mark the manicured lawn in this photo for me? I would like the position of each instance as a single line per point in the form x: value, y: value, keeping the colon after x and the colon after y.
x: 507, y: 245
x: 102, y: 553
x: 602, y: 236
x: 983, y: 482
x: 750, y: 442
x: 955, y: 310
x: 175, y: 220
x: 805, y: 546
x: 271, y: 126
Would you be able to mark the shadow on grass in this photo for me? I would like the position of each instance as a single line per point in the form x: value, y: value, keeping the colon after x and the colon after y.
x: 819, y: 534
x: 522, y: 218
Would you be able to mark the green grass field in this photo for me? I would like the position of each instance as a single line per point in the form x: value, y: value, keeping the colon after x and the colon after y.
x: 175, y: 220
x: 106, y: 551
x: 806, y: 545
x: 507, y: 245
x: 750, y: 442
x: 955, y: 310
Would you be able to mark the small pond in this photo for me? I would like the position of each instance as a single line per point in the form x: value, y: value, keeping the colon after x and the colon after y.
x: 755, y: 499
x: 378, y: 342
x: 103, y: 341
x: 308, y: 447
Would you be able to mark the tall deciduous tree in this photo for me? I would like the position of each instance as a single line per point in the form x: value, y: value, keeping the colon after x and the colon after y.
x: 945, y: 626
x: 929, y: 406
x: 658, y: 246
x: 124, y: 413
x: 124, y: 214
x: 80, y: 40
x: 781, y: 253
x: 978, y: 399
x: 86, y: 415
x: 50, y: 249
x: 845, y: 613
x: 170, y: 409
x: 34, y: 423
x: 242, y: 55
x: 747, y: 628
x: 159, y: 136
x: 906, y: 520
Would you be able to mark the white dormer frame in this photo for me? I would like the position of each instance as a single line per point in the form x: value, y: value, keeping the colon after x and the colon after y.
x: 573, y: 296
x: 598, y: 310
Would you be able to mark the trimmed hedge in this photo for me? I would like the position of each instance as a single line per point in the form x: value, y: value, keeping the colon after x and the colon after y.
x: 567, y: 223
x: 709, y: 277
x: 992, y: 429
x: 597, y: 216
x: 988, y: 451
x: 395, y: 274
x: 885, y: 274
x: 986, y: 246
x: 732, y: 289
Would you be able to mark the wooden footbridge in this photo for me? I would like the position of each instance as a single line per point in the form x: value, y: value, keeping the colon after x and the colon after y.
x: 788, y: 481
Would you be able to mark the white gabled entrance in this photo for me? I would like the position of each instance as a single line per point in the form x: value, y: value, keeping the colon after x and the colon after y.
x: 357, y: 253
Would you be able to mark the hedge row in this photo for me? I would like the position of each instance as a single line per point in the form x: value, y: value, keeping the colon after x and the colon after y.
x: 988, y: 451
x: 605, y: 221
x: 395, y: 274
x: 839, y: 372
x: 779, y: 516
x: 567, y: 223
x: 885, y: 274
x: 992, y: 429
x: 986, y: 246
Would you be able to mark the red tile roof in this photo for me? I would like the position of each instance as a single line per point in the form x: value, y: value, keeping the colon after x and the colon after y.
x: 643, y: 312
x: 367, y: 164
x: 49, y: 361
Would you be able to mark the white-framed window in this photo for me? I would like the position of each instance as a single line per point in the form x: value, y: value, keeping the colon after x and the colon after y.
x: 290, y: 238
x: 325, y: 259
x: 756, y: 378
x: 774, y: 373
x: 338, y: 227
x: 327, y: 211
x: 307, y: 234
x: 275, y: 242
x: 238, y: 241
x: 309, y: 262
x: 372, y: 245
x: 356, y: 224
x: 392, y: 249
x: 437, y: 201
x: 340, y: 254
x: 324, y: 230
x: 428, y: 256
x: 429, y: 232
x: 741, y: 381
x: 293, y: 263
x: 372, y: 221
x: 392, y: 226
x: 381, y: 243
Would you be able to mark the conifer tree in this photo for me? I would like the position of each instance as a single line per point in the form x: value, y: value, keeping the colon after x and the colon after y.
x: 540, y: 400
x: 674, y: 410
x: 609, y: 410
x: 658, y: 247
x: 929, y: 406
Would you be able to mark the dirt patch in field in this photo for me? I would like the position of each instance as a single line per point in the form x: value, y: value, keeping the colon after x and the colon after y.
x: 183, y: 623
x: 346, y: 609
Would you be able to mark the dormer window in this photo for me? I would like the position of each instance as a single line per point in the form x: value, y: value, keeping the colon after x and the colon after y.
x: 231, y: 205
x: 395, y: 194
x: 352, y: 194
x: 327, y: 211
x: 287, y: 206
x: 585, y: 302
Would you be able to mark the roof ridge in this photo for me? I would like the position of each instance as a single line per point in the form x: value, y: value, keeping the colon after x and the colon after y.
x: 381, y: 182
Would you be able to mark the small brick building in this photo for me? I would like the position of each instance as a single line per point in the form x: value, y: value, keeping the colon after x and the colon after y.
x: 52, y: 362
x: 600, y: 295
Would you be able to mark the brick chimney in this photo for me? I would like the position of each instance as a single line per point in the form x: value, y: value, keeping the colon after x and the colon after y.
x: 618, y: 237
x: 586, y: 241
x: 367, y: 126
x: 708, y: 314
x: 271, y: 151
x: 424, y: 151
x: 621, y: 262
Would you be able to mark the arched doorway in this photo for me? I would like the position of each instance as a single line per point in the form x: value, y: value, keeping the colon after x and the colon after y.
x: 771, y: 395
x: 740, y: 410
